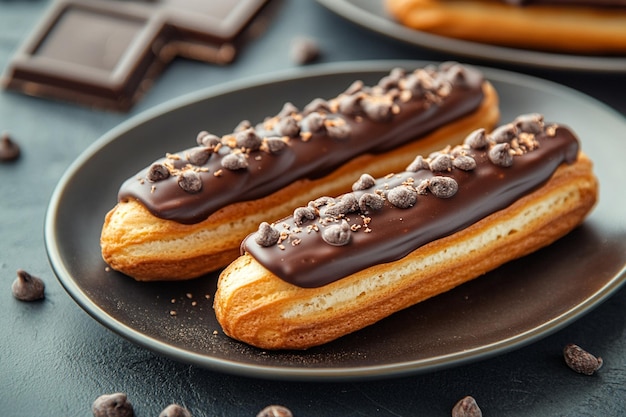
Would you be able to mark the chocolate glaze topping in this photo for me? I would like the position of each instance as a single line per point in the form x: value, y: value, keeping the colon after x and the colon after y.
x: 427, y: 202
x: 255, y: 161
x: 590, y: 3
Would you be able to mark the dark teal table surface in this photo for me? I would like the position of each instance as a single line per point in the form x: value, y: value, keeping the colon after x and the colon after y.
x: 55, y: 359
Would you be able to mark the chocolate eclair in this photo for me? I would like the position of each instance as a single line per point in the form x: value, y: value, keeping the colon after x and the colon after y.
x: 569, y: 26
x: 339, y: 264
x: 186, y: 214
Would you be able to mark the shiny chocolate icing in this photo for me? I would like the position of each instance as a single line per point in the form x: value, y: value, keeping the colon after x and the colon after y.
x: 305, y: 256
x: 254, y: 162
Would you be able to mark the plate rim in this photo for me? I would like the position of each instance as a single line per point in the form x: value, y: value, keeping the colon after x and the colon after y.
x: 468, y: 49
x: 435, y: 363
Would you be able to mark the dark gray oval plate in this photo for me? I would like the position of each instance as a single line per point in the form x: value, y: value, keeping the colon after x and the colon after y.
x: 371, y: 15
x: 508, y: 308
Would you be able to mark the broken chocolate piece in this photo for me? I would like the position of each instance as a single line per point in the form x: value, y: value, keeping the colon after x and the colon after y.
x: 105, y: 54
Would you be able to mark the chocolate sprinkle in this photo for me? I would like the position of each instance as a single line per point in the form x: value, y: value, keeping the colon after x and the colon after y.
x: 267, y: 235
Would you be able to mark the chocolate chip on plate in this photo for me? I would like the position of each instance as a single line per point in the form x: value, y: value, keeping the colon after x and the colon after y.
x: 27, y: 287
x: 9, y: 150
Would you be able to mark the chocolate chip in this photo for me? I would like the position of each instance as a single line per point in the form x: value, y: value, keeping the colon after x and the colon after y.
x: 581, y: 361
x: 175, y: 410
x: 248, y: 139
x: 499, y: 155
x: 355, y: 87
x: 504, y: 134
x: 321, y: 201
x: 274, y: 145
x: 267, y: 235
x: 455, y: 73
x: 441, y: 162
x: 371, y: 201
x: 112, y: 405
x: 27, y: 287
x: 365, y: 181
x: 9, y: 150
x: 234, y: 161
x: 337, y: 234
x: 317, y: 105
x: 346, y: 204
x: 199, y: 156
x: 466, y: 407
x: 350, y: 105
x: 207, y: 139
x: 304, y: 50
x: 275, y: 411
x: 313, y: 122
x: 477, y: 139
x: 157, y: 172
x: 418, y: 163
x: 190, y: 181
x: 402, y: 196
x: 377, y: 111
x: 414, y: 85
x: 464, y: 162
x: 288, y: 126
x: 530, y: 123
x: 302, y: 214
x: 337, y: 129
x: 443, y: 187
x: 287, y: 110
x: 243, y: 125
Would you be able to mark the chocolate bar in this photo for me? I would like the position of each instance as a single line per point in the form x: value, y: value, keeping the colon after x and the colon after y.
x: 107, y: 53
